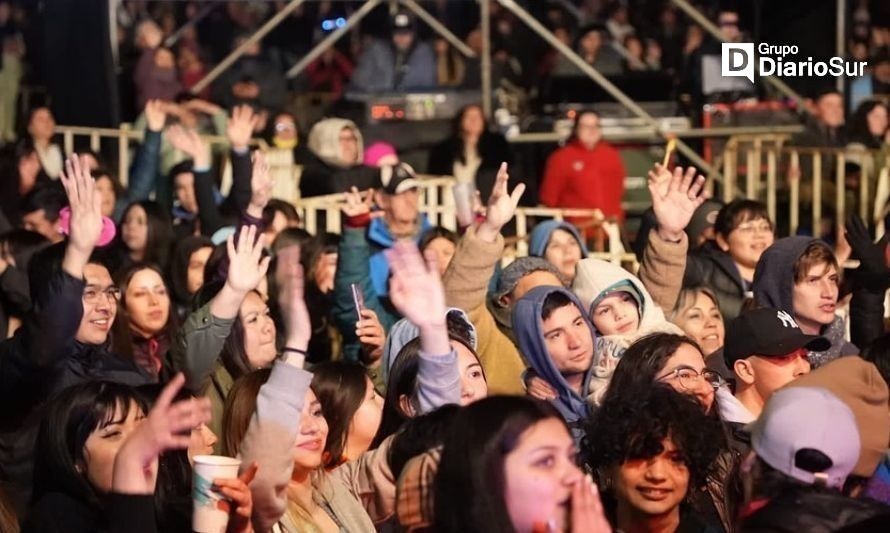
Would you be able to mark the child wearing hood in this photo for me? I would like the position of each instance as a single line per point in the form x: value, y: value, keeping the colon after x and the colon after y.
x: 621, y: 311
x: 559, y: 243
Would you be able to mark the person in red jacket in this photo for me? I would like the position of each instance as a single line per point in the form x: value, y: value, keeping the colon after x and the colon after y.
x: 587, y: 173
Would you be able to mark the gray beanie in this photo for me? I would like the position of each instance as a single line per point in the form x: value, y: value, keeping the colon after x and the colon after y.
x: 520, y: 268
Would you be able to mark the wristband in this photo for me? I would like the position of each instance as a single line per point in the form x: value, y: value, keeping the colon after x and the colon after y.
x: 359, y: 221
x: 288, y: 349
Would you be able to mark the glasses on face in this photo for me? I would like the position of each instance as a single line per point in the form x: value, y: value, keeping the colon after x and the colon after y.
x: 348, y: 138
x: 729, y: 23
x: 750, y: 228
x: 284, y: 126
x: 688, y: 377
x: 91, y: 295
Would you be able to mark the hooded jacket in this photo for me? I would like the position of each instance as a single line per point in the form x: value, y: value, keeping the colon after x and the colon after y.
x: 773, y: 287
x: 326, y: 172
x: 540, y: 237
x: 712, y: 267
x: 529, y: 328
x: 594, y: 280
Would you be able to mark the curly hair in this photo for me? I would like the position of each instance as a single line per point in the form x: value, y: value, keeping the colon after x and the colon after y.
x: 633, y: 424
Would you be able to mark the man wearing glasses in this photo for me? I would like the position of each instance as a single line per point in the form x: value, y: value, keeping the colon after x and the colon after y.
x: 765, y: 350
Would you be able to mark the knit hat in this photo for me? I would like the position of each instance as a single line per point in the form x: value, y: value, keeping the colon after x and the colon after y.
x: 702, y: 219
x: 859, y: 385
x: 520, y: 268
x: 377, y: 151
x: 800, y: 418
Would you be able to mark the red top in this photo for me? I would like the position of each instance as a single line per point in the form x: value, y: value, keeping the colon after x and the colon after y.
x: 579, y: 178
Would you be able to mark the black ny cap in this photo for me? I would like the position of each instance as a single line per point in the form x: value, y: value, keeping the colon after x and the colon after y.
x: 767, y: 332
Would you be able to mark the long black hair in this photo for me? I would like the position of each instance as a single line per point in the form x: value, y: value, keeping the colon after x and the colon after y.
x: 179, y: 266
x: 159, y: 240
x: 471, y: 481
x: 68, y: 421
x: 341, y: 387
x: 859, y: 131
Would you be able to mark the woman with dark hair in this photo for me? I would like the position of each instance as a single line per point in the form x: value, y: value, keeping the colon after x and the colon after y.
x: 147, y: 323
x: 406, y: 369
x: 868, y: 126
x: 187, y: 271
x: 22, y: 174
x: 231, y: 332
x: 144, y: 235
x: 80, y: 483
x: 443, y: 242
x: 350, y: 405
x: 678, y: 362
x: 473, y: 153
x: 652, y: 448
x: 508, y: 464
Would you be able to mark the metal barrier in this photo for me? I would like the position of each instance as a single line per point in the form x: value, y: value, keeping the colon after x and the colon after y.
x: 763, y: 166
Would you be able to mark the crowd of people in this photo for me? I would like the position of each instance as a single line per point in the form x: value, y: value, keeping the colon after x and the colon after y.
x: 400, y: 376
x: 395, y: 377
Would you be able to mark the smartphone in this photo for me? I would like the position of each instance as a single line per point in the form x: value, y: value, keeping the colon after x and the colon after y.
x: 358, y: 298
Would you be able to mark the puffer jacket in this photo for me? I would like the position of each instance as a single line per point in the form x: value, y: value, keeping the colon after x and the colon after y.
x: 713, y: 268
x: 594, y: 279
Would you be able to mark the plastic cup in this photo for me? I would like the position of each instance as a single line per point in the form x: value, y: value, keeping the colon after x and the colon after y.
x: 210, y: 509
x: 464, y: 195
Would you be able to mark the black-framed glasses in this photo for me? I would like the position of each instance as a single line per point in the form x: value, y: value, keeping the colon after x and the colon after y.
x: 688, y: 377
x: 91, y: 294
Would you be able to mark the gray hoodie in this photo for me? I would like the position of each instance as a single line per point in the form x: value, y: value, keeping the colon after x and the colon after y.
x: 773, y: 286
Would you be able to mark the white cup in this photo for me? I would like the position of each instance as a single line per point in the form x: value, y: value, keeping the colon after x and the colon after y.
x: 464, y: 195
x: 210, y: 509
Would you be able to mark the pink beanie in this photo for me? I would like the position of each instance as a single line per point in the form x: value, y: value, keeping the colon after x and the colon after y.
x: 376, y: 151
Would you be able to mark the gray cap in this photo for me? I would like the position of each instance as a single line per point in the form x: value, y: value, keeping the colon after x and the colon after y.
x: 520, y: 268
x: 800, y: 418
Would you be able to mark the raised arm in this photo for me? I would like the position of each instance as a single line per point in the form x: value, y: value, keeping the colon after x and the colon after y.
x: 353, y: 266
x: 273, y: 429
x: 416, y: 291
x: 190, y: 142
x: 466, y: 285
x: 201, y: 339
x: 147, y: 160
x: 675, y: 197
x: 239, y: 129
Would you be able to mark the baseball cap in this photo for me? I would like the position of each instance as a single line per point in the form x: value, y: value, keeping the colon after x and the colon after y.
x: 807, y: 418
x: 767, y: 332
x: 402, y: 22
x: 396, y: 179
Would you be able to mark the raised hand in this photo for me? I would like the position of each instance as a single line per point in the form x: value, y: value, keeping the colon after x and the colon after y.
x: 415, y: 289
x: 136, y: 463
x: 191, y: 143
x: 291, y: 298
x: 86, y: 214
x: 357, y: 204
x: 675, y: 197
x: 238, y: 492
x: 241, y: 126
x: 155, y: 114
x: 261, y: 184
x: 371, y: 335
x: 247, y: 267
x: 501, y: 205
